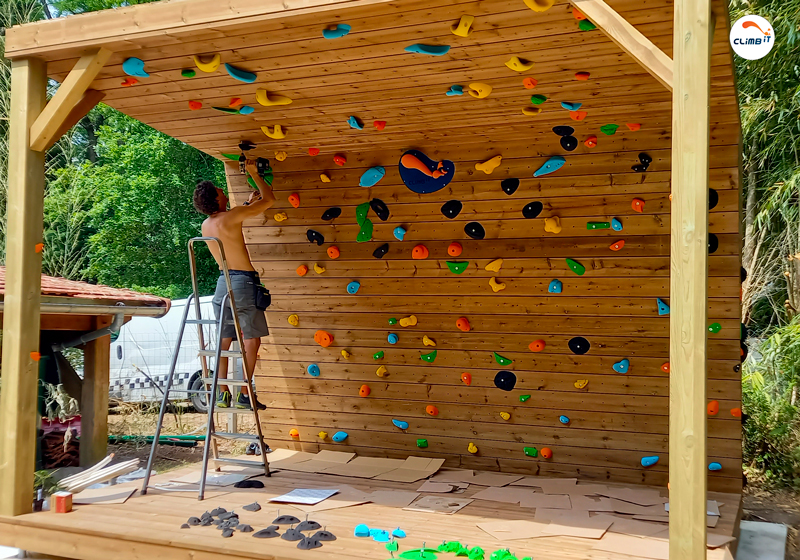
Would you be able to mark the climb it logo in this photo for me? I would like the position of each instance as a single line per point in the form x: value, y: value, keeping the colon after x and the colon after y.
x: 752, y: 37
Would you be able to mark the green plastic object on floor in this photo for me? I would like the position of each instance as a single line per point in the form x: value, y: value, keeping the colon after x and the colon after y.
x: 429, y: 357
x: 457, y: 267
x: 714, y: 328
x: 463, y: 551
x: 476, y: 553
x: 586, y: 25
x: 419, y: 554
x: 450, y: 546
x: 393, y: 321
x: 531, y: 451
x: 576, y: 267
x: 523, y: 398
x: 609, y: 129
x: 391, y: 546
x: 378, y: 355
x: 502, y: 360
x: 422, y: 443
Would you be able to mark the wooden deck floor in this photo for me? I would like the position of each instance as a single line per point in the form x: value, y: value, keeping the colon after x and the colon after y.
x: 148, y: 527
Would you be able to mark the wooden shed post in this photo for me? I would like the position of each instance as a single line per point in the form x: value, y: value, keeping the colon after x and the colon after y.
x: 689, y: 279
x: 18, y: 403
x: 94, y: 400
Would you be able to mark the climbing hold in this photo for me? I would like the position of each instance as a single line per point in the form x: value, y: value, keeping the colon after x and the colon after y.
x: 494, y: 266
x: 134, y: 67
x: 419, y: 252
x: 422, y: 443
x: 365, y: 234
x: 472, y: 448
x: 400, y: 424
x: 315, y: 236
x: 361, y: 530
x: 649, y: 461
x: 713, y: 198
x: 392, y: 338
x: 319, y: 269
x: 524, y: 398
x: 324, y: 178
x: 598, y: 225
x: 339, y: 160
x: 457, y: 267
x: 371, y: 176
x: 313, y: 151
x: 452, y: 208
x: 353, y: 287
x: 294, y: 320
x: 313, y: 370
x: 428, y: 341
x: 665, y: 367
x: 464, y: 26
x: 581, y: 75
x: 637, y: 204
x: 531, y: 111
x: 432, y: 410
x: 579, y: 345
x: 381, y: 371
x: 455, y: 89
x: 339, y: 437
x: 713, y: 408
x: 530, y: 451
x: 546, y: 453
x: 509, y: 186
x: 479, y: 90
x: 379, y: 207
x: 538, y: 99
x: 463, y: 324
x: 475, y: 230
x: 529, y: 83
x: 430, y: 357
x: 622, y: 366
x: 563, y: 130
x: 355, y: 123
x: 489, y: 165
x: 263, y: 98
x: 235, y: 101
x: 336, y: 31
x: 663, y: 308
x: 555, y: 286
x: 294, y: 433
x: 409, y: 321
x: 714, y: 328
x: 569, y: 106
x: 503, y: 361
x: 564, y: 420
x: 736, y: 412
x: 399, y: 233
x: 195, y: 105
x: 294, y: 200
x: 432, y: 50
x: 208, y: 67
x: 380, y: 125
x: 495, y: 285
x: 552, y: 224
x: 392, y: 321
x: 333, y: 252
x: 302, y: 270
x: 713, y: 243
x: 423, y: 175
x: 714, y: 467
x: 590, y: 142
x: 276, y: 133
x: 454, y: 249
x: 569, y: 143
x: 536, y: 345
x: 322, y: 435
x: 239, y: 74
x: 128, y: 82
x: 532, y: 209
x: 505, y: 416
x: 644, y: 162
x: 617, y: 245
x: 381, y: 251
x: 609, y: 129
x: 576, y: 267
x: 466, y: 378
x: 399, y: 533
x: 281, y: 156
x: 616, y: 225
x: 581, y: 383
x: 346, y: 355
x: 518, y: 65
x: 188, y: 73
x: 578, y: 115
x: 539, y: 5
x: 505, y: 380
x: 586, y: 25
x: 227, y: 110
x: 323, y: 338
x: 551, y: 165
x: 331, y: 213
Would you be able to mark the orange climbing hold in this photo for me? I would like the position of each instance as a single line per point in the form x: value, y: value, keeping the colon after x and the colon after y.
x: 736, y: 412
x: 195, y: 105
x: 294, y: 433
x: 333, y: 252
x: 577, y: 115
x: 128, y: 82
x: 546, y: 452
x: 529, y: 83
x: 581, y: 75
x: 665, y: 367
x: 235, y: 101
x: 591, y: 142
x: 577, y: 14
x: 536, y: 345
x: 633, y: 126
x: 637, y: 204
x: 364, y: 391
x: 617, y: 245
x: 323, y: 338
x: 713, y: 408
x: 36, y: 356
x: 432, y: 410
x: 294, y: 200
x: 302, y: 270
x: 466, y: 378
x: 380, y: 125
x: 463, y: 324
x: 313, y: 151
x: 419, y: 252
x: 454, y: 249
x: 339, y: 160
x: 39, y: 247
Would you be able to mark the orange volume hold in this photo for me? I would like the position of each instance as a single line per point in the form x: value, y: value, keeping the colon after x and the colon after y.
x: 466, y: 378
x: 454, y: 249
x: 294, y: 200
x: 546, y: 452
x: 302, y: 270
x: 333, y: 252
x: 463, y: 324
x: 617, y: 245
x: 637, y: 204
x: 419, y: 252
x: 536, y: 346
x: 713, y: 408
x: 323, y: 338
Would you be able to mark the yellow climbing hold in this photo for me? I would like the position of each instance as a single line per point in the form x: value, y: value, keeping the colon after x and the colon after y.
x: 294, y: 320
x: 552, y: 224
x: 427, y: 341
x: 346, y: 355
x: 262, y: 96
x: 472, y: 448
x: 281, y: 217
x: 464, y: 27
x: 531, y: 111
x: 479, y: 90
x: 409, y: 321
x: 381, y: 371
x: 489, y: 165
x: 208, y: 66
x: 514, y: 63
x: 581, y: 383
x: 494, y: 266
x: 280, y: 156
x: 319, y: 269
x: 276, y: 133
x: 539, y: 5
x: 324, y: 178
x: 322, y: 435
x: 496, y: 286
x: 505, y: 416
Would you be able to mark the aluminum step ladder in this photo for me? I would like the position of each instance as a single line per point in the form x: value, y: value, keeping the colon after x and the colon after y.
x: 211, y: 378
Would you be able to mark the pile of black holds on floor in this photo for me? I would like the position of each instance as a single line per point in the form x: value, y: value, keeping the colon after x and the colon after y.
x: 228, y: 522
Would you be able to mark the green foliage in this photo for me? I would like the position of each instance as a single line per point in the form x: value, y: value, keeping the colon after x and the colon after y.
x: 64, y: 7
x: 45, y: 481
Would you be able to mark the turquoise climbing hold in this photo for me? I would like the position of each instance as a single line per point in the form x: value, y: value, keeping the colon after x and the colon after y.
x: 399, y: 233
x: 649, y: 461
x: 336, y: 31
x: 714, y: 466
x: 616, y: 225
x: 457, y: 267
x: 379, y: 535
x: 433, y: 50
x: 455, y: 90
x: 361, y: 529
x: 502, y: 360
x: 550, y: 166
x: 555, y: 287
x: 246, y: 110
x: 663, y: 308
x: 564, y: 419
x: 429, y: 357
x: 399, y: 533
x: 134, y: 67
x: 576, y: 267
x: 352, y: 287
x: 378, y: 355
x: 571, y: 106
x: 392, y: 338
x: 400, y: 424
x: 339, y: 437
x: 313, y: 370
x: 239, y: 74
x: 622, y: 366
x: 371, y: 176
x: 353, y: 122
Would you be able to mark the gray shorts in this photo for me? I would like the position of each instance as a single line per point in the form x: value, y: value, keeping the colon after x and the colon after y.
x: 252, y: 321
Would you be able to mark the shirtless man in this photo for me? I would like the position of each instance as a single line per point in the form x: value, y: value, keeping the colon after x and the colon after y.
x: 226, y: 225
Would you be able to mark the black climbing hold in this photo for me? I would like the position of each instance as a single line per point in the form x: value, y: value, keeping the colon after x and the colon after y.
x: 475, y: 230
x: 713, y: 198
x: 324, y: 536
x: 252, y: 507
x: 243, y: 528
x: 645, y: 159
x: 292, y: 535
x: 569, y: 143
x: 564, y: 130
x: 639, y: 167
x: 713, y: 243
x: 509, y: 186
x: 249, y: 484
x: 745, y: 351
x: 309, y: 526
x: 205, y: 515
x: 185, y: 526
x: 227, y: 515
x: 737, y: 368
x: 505, y: 380
x: 331, y: 213
x: 308, y: 543
x: 215, y: 512
x: 379, y: 207
x: 743, y: 274
x: 452, y: 208
x: 218, y: 522
x: 286, y: 520
x: 743, y: 332
x: 315, y: 237
x: 206, y: 521
x: 381, y: 251
x: 579, y: 345
x: 532, y: 209
x: 226, y: 533
x: 269, y: 533
x: 194, y: 521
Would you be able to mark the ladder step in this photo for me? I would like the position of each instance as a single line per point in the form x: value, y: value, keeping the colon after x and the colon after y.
x: 243, y: 437
x: 223, y: 354
x: 232, y: 410
x: 201, y: 322
x: 240, y: 462
x: 232, y: 382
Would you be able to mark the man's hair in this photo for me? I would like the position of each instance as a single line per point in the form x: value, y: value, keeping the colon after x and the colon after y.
x: 205, y: 198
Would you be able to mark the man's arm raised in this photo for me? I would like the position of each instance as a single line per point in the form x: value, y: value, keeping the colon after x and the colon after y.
x: 258, y: 206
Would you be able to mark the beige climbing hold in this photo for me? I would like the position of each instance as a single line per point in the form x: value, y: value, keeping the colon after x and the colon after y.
x: 514, y: 63
x: 277, y: 133
x: 531, y: 111
x: 409, y: 321
x: 489, y: 165
x: 479, y: 90
x: 262, y: 96
x: 281, y: 217
x: 539, y: 5
x: 324, y: 178
x: 496, y: 286
x: 381, y: 371
x: 505, y: 416
x: 494, y: 266
x: 472, y: 448
x: 428, y: 341
x: 208, y: 66
x: 552, y: 224
x: 346, y: 355
x: 319, y: 269
x: 280, y: 156
x: 294, y: 320
x: 581, y: 383
x: 464, y: 27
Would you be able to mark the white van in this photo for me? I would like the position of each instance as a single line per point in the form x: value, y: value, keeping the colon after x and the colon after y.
x: 141, y: 355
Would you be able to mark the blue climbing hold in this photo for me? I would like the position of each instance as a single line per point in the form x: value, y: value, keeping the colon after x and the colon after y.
x: 649, y: 461
x: 392, y: 338
x: 455, y: 90
x: 134, y: 67
x: 433, y: 50
x: 339, y: 437
x: 622, y: 366
x: 400, y: 424
x: 564, y: 420
x: 353, y: 122
x: 550, y: 166
x: 714, y: 466
x: 555, y: 287
x: 313, y: 370
x: 336, y: 31
x: 616, y: 225
x: 663, y: 308
x: 399, y: 233
x: 380, y: 536
x: 245, y: 110
x: 239, y: 74
x: 371, y: 176
x: 361, y: 529
x: 352, y: 287
x: 399, y: 533
x: 571, y: 106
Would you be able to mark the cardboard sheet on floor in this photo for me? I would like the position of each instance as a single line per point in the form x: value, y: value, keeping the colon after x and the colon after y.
x: 493, y: 479
x: 105, y: 495
x: 439, y: 504
x: 364, y: 467
x: 589, y: 503
x: 712, y: 508
x: 393, y: 498
x: 305, y: 496
x: 714, y: 540
x: 620, y: 506
x: 634, y: 528
x: 283, y: 459
x: 539, y: 481
x: 638, y: 496
x: 628, y: 546
x: 578, y: 524
x: 453, y: 475
x: 711, y: 520
x: 212, y: 478
x: 323, y: 460
x: 509, y: 530
x: 588, y: 489
x: 413, y: 469
x: 550, y: 501
x: 508, y: 495
x: 346, y: 497
x: 442, y: 487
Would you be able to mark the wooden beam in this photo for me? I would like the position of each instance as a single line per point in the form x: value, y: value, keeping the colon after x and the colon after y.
x: 629, y: 39
x: 69, y: 93
x: 89, y: 100
x: 94, y: 397
x: 18, y: 399
x: 688, y: 281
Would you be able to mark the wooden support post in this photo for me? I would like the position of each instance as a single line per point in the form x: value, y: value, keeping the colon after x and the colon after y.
x: 689, y: 280
x: 94, y: 399
x: 19, y: 397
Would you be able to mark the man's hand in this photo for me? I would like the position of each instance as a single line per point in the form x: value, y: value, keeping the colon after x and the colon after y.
x: 251, y: 167
x: 254, y: 196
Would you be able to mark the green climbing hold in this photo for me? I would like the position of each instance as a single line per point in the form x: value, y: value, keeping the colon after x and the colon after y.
x: 422, y: 443
x: 234, y: 157
x: 361, y: 212
x: 419, y: 554
x: 476, y: 553
x: 598, y: 225
x: 457, y: 267
x: 451, y: 546
x: 188, y: 73
x: 392, y: 321
x: 429, y: 357
x: 714, y: 328
x: 609, y: 129
x: 366, y: 231
x: 378, y: 355
x: 538, y: 99
x: 502, y: 360
x: 463, y: 551
x: 586, y: 25
x: 531, y: 451
x: 576, y: 267
x: 391, y: 546
x: 523, y: 398
x: 267, y: 178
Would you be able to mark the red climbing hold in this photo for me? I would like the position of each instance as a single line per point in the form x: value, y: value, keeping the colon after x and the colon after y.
x: 736, y: 412
x: 617, y: 246
x: 419, y: 252
x: 313, y: 151
x: 581, y: 75
x: 380, y: 125
x: 665, y: 367
x: 591, y: 142
x: 530, y: 83
x: 637, y: 204
x: 323, y: 338
x: 577, y: 115
x: 546, y: 452
x: 128, y: 82
x: 454, y: 249
x: 339, y: 160
x: 294, y: 200
x: 463, y: 324
x: 195, y: 105
x: 713, y: 408
x: 536, y: 346
x: 466, y: 378
x: 633, y: 126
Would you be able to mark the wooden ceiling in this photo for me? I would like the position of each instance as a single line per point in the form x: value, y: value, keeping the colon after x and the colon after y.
x: 367, y: 74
